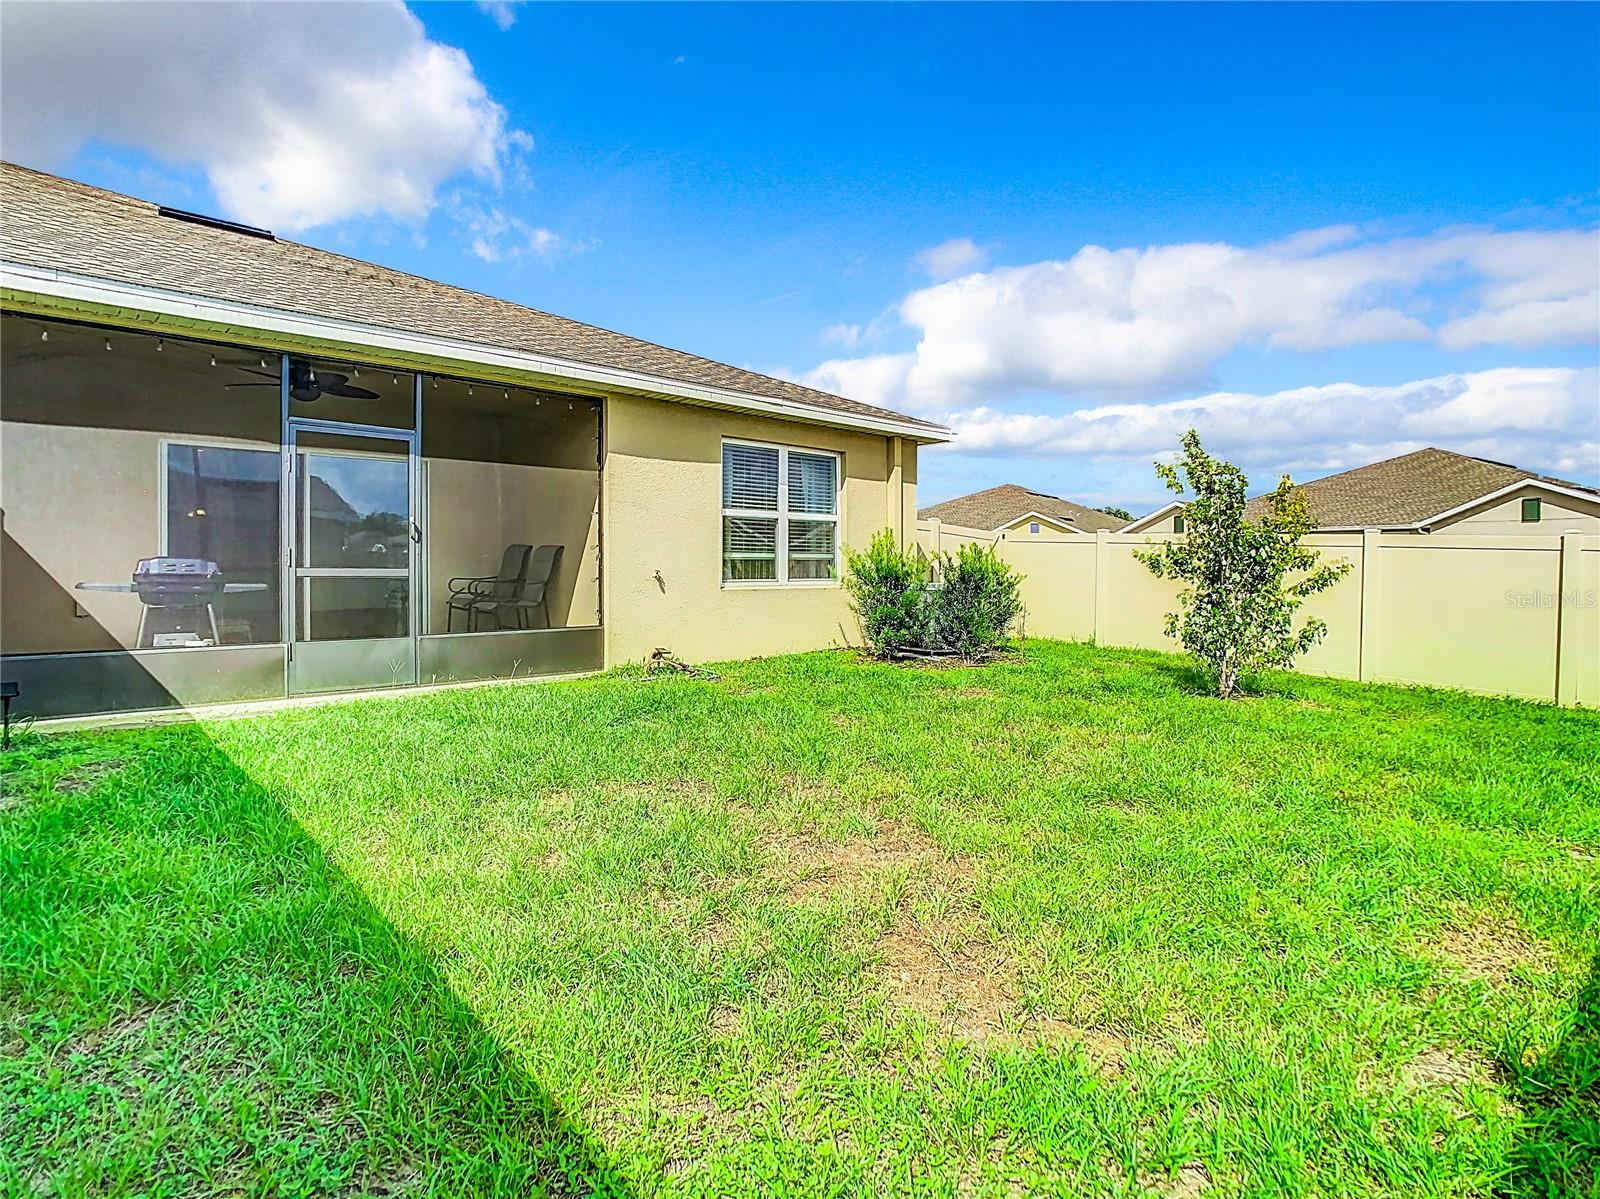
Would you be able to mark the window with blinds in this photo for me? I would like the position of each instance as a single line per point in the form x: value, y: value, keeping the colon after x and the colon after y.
x: 780, y: 514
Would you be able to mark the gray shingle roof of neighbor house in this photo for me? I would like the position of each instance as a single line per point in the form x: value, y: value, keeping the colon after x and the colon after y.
x: 57, y: 224
x: 1409, y: 490
x: 999, y: 506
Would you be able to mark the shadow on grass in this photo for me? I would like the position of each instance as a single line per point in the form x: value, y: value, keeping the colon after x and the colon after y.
x: 193, y: 999
x: 1559, y: 1153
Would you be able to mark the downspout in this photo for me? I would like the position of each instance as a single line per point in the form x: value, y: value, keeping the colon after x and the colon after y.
x: 896, y: 513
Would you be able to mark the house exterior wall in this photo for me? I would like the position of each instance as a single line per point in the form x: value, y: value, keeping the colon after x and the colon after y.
x: 662, y: 533
x: 1503, y: 518
x: 1023, y: 525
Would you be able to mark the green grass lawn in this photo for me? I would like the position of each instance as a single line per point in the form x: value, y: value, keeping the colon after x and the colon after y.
x: 1059, y: 925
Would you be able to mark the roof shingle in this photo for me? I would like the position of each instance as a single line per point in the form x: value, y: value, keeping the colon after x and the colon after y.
x: 999, y: 506
x: 58, y: 224
x: 1408, y: 490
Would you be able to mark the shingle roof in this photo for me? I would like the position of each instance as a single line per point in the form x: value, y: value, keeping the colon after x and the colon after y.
x: 55, y: 223
x: 1408, y: 490
x: 999, y: 506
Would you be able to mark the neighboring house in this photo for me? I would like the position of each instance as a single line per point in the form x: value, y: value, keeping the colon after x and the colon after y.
x: 349, y: 443
x: 1431, y: 491
x: 1010, y: 508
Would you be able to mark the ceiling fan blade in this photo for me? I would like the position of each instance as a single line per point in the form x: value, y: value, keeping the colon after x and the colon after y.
x: 349, y: 393
x: 305, y: 395
x: 249, y: 370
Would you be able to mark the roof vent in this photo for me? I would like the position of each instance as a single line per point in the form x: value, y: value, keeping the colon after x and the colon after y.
x: 196, y: 218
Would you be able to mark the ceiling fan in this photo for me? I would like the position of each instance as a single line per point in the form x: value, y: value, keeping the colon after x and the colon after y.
x: 307, y: 384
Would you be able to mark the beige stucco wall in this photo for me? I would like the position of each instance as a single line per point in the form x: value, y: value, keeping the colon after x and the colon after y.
x: 1023, y: 527
x: 81, y: 506
x: 1559, y: 514
x: 662, y: 516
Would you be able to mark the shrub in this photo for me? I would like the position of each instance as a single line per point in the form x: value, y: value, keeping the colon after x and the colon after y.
x: 977, y: 604
x: 1236, y: 614
x: 970, y: 611
x: 888, y: 589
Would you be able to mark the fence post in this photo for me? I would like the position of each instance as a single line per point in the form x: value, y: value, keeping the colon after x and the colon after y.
x: 934, y: 527
x: 1367, y: 668
x: 1567, y: 622
x: 1102, y: 584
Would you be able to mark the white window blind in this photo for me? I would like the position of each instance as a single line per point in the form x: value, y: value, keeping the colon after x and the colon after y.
x: 780, y: 514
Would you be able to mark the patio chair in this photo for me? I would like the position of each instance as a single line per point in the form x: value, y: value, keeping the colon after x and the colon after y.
x: 476, y: 597
x: 541, y: 569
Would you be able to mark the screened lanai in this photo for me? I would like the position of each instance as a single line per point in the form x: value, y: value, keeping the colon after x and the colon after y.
x: 187, y: 521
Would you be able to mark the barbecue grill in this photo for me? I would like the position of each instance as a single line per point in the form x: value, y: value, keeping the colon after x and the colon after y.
x: 177, y: 583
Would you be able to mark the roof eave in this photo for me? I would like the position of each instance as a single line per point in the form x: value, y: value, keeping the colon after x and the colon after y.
x: 77, y: 294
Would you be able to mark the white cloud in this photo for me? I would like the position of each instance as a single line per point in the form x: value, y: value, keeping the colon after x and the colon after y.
x: 951, y: 258
x: 298, y: 114
x: 848, y: 336
x: 502, y: 12
x: 1536, y: 417
x: 1141, y: 322
x: 495, y: 235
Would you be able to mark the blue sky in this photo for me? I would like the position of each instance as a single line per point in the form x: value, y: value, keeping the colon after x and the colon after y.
x: 1322, y: 234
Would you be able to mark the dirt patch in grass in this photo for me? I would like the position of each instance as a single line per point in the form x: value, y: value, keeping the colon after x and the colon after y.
x: 1444, y: 1068
x: 825, y: 866
x: 967, y: 988
x: 1190, y: 1180
x: 83, y: 778
x: 1489, y: 947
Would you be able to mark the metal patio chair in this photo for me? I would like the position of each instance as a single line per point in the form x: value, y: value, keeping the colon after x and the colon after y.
x: 533, y: 600
x: 476, y: 597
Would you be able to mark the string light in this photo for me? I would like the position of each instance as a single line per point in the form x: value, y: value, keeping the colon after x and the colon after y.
x: 44, y: 335
x: 160, y: 344
x: 213, y: 360
x: 395, y: 379
x: 263, y: 364
x: 469, y: 391
x: 108, y: 343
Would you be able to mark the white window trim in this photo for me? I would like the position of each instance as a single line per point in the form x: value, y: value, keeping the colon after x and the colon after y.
x: 781, y: 546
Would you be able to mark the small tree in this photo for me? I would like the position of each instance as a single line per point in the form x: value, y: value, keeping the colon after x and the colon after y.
x: 1113, y: 510
x: 1236, y: 614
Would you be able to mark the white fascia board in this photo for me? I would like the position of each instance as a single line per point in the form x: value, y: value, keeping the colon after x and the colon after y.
x: 66, y: 285
x: 1137, y: 526
x: 1059, y: 522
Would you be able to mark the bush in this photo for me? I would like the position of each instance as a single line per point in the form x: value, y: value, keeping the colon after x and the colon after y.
x: 978, y: 603
x: 888, y: 589
x: 969, y: 612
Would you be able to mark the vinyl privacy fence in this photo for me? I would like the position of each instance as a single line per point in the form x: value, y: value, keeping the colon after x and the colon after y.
x: 1503, y: 615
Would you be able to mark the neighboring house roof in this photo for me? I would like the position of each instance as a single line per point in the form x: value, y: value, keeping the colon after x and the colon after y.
x: 1000, y: 506
x: 1139, y: 524
x: 59, y: 225
x: 1412, y: 490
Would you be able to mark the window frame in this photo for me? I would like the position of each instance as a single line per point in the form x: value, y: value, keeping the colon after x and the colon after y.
x: 1537, y: 509
x: 782, y: 515
x: 207, y: 441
